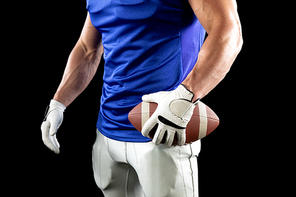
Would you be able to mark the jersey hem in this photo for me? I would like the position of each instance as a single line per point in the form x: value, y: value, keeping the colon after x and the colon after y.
x: 124, y: 139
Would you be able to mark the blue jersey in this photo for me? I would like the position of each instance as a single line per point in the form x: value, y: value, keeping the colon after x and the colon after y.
x: 149, y: 46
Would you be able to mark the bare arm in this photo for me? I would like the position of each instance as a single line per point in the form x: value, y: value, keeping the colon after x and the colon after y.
x: 82, y: 64
x: 220, y: 20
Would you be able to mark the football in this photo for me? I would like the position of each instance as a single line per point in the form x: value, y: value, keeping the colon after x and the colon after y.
x: 202, y: 123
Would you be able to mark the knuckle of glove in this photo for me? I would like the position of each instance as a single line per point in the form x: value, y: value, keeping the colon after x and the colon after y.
x: 172, y: 120
x: 181, y: 107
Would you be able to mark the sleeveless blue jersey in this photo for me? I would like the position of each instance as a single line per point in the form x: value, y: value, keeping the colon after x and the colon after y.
x: 149, y: 46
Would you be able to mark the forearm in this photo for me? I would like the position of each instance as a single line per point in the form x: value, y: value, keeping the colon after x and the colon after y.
x: 81, y: 67
x: 215, y: 59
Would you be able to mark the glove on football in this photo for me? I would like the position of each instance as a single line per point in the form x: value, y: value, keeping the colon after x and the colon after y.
x: 172, y: 115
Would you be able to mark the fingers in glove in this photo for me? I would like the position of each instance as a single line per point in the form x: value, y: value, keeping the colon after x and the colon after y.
x: 158, y: 135
x: 181, y: 138
x: 49, y: 140
x: 54, y: 127
x: 169, y: 138
x: 45, y: 126
x: 148, y: 126
x: 53, y: 144
x: 55, y: 141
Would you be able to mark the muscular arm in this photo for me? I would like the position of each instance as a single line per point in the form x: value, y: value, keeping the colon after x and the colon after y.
x: 220, y: 20
x: 82, y: 64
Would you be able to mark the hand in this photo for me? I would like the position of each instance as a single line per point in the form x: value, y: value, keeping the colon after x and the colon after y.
x: 172, y: 115
x: 52, y: 121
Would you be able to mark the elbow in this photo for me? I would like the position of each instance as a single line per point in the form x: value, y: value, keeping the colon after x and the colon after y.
x: 236, y: 41
x: 230, y: 32
x: 236, y: 34
x: 235, y: 31
x: 240, y: 41
x: 231, y: 38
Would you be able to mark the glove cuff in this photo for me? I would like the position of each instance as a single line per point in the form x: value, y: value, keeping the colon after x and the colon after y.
x: 56, y: 104
x: 187, y: 94
x: 52, y: 106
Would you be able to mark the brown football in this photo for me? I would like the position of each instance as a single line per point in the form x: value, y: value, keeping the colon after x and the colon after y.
x: 202, y: 123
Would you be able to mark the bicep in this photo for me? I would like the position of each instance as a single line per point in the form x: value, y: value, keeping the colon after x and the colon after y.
x: 90, y: 37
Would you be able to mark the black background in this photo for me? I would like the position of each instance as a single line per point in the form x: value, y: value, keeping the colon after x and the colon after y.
x: 243, y: 157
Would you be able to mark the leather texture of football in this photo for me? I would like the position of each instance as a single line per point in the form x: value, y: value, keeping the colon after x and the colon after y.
x: 202, y: 123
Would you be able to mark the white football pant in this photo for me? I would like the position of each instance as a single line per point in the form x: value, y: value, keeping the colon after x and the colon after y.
x: 144, y: 169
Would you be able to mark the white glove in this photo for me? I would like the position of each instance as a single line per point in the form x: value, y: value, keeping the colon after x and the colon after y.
x: 173, y: 112
x: 52, y: 121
